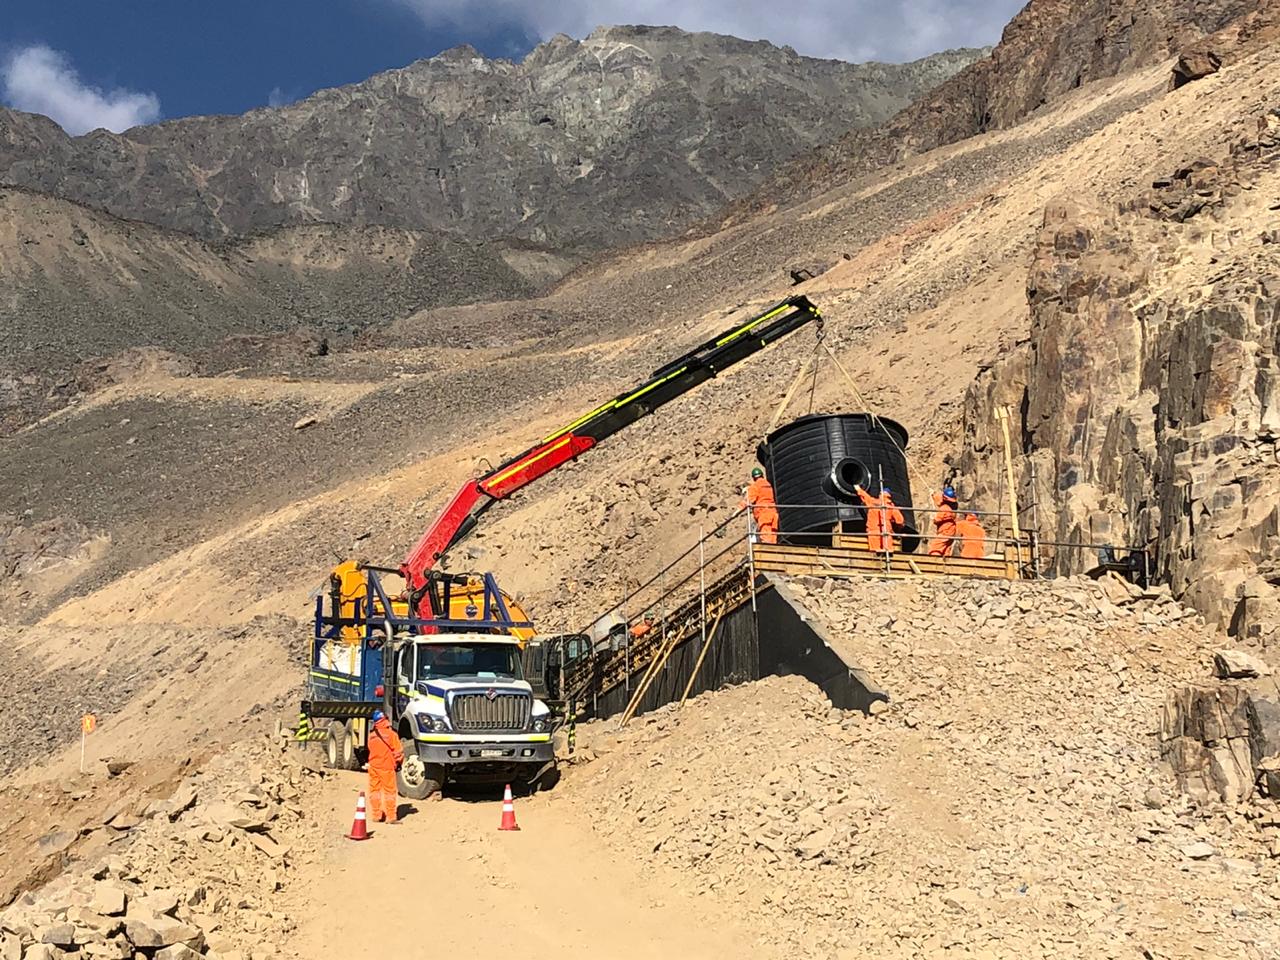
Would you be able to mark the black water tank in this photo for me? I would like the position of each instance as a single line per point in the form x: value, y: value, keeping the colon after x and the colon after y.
x: 814, y: 464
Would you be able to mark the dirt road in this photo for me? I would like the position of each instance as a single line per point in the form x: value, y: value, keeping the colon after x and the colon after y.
x: 447, y: 878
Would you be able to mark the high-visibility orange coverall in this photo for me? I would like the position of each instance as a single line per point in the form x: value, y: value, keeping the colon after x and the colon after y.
x: 944, y: 523
x: 973, y: 542
x: 385, y: 754
x: 882, y: 519
x: 764, y: 508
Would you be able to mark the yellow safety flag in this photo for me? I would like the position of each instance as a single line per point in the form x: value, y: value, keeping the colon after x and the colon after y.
x: 88, y: 723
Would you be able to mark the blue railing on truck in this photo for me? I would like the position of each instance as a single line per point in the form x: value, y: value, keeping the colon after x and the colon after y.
x: 372, y: 617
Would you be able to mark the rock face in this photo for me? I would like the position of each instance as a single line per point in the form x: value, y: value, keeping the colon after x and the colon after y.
x: 1048, y: 49
x: 655, y: 125
x: 1222, y: 740
x: 1147, y: 396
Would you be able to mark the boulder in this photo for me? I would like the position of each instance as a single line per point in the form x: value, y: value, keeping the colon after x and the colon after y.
x: 267, y: 845
x: 116, y: 948
x: 60, y: 935
x: 150, y: 931
x: 88, y: 919
x: 124, y: 821
x: 225, y: 814
x: 182, y: 800
x: 1194, y: 65
x: 1200, y: 850
x: 159, y: 902
x: 1238, y: 665
x: 56, y: 842
x: 109, y: 899
x: 177, y: 951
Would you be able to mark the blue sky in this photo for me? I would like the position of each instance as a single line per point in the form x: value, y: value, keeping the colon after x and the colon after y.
x: 118, y: 62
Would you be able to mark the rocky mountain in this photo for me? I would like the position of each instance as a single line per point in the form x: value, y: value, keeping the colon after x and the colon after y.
x: 1147, y: 394
x: 78, y: 287
x: 625, y: 136
x: 1048, y: 49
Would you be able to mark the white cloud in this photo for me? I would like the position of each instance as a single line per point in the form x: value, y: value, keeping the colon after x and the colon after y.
x: 893, y: 30
x: 39, y: 79
x: 278, y: 98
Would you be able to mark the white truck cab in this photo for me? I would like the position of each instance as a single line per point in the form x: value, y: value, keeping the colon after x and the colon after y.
x: 465, y: 712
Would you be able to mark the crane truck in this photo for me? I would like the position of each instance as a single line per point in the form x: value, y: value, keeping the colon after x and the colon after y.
x: 446, y: 655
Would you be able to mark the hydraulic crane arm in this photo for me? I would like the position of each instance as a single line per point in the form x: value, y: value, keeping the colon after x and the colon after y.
x: 664, y: 385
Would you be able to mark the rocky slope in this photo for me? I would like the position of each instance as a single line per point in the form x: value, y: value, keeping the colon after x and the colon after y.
x: 1008, y: 803
x: 934, y: 287
x: 654, y: 125
x: 193, y: 864
x: 1050, y: 48
x: 78, y: 287
x: 1147, y: 395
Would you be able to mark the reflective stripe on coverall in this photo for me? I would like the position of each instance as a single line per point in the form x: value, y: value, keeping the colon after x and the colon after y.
x: 764, y: 508
x: 944, y: 522
x: 385, y: 754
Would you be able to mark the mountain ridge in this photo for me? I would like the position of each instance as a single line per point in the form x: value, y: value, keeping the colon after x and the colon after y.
x: 657, y: 125
x: 1048, y: 49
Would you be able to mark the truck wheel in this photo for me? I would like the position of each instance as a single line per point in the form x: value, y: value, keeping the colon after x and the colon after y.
x: 417, y: 780
x: 350, y: 758
x: 334, y: 744
x: 546, y: 778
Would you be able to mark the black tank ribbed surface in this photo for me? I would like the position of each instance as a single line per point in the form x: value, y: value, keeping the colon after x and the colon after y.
x: 814, y: 462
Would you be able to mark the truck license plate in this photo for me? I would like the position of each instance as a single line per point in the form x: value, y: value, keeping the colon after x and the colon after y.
x: 493, y: 753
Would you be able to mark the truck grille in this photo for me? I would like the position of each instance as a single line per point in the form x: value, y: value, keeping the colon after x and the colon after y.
x: 475, y: 711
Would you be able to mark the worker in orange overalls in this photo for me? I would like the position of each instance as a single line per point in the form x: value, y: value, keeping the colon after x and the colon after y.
x: 973, y: 538
x: 385, y: 756
x: 883, y: 518
x: 644, y: 626
x: 764, y: 508
x: 944, y: 523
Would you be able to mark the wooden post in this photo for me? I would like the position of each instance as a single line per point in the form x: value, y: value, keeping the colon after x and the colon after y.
x: 1034, y: 539
x: 702, y: 578
x: 655, y: 667
x: 1002, y: 414
x: 702, y: 655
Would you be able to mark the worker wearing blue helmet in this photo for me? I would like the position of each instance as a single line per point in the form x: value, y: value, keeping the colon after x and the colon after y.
x: 386, y: 753
x: 944, y: 523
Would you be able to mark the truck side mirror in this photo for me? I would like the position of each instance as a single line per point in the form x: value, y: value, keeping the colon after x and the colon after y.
x: 421, y: 687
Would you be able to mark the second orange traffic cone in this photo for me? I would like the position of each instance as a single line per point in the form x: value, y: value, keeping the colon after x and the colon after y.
x: 508, y: 811
x: 359, y: 826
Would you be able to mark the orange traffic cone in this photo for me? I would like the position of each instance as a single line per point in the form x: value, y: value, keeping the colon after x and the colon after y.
x: 359, y: 827
x: 508, y: 811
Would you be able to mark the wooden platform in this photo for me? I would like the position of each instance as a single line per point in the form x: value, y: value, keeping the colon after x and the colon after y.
x: 857, y: 561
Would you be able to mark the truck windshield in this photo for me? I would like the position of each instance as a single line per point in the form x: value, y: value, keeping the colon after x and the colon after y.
x: 437, y: 660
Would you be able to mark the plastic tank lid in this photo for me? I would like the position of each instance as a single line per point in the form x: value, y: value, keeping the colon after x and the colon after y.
x: 898, y: 431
